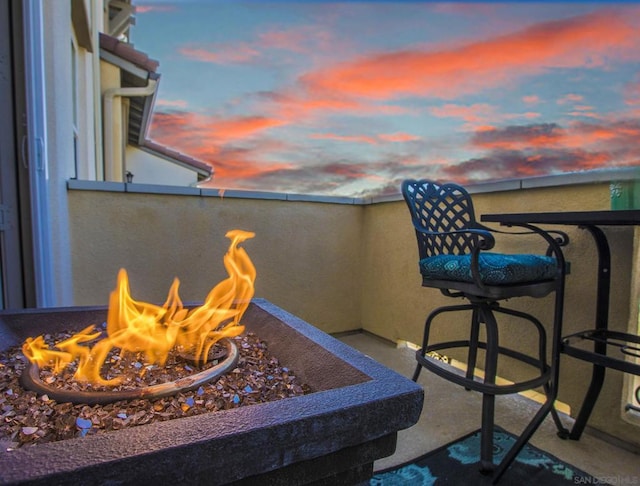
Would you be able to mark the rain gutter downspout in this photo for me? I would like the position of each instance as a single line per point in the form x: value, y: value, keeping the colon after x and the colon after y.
x: 109, y: 96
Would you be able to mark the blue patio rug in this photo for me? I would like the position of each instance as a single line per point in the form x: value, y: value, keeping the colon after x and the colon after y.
x: 458, y: 463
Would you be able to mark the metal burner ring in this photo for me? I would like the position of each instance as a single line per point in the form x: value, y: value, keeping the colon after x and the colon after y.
x: 30, y: 379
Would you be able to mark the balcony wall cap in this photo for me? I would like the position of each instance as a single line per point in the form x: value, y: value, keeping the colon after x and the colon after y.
x: 584, y: 177
x: 566, y: 179
x: 95, y: 185
x: 237, y: 193
x: 162, y: 189
x: 498, y: 186
x: 324, y: 199
x: 383, y: 199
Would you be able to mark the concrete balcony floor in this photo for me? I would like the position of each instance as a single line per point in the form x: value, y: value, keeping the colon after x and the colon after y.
x: 450, y: 412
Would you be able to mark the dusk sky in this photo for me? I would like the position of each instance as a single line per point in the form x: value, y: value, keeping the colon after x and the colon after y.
x: 350, y: 98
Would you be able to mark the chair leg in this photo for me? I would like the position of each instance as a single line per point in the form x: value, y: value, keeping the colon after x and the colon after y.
x: 542, y: 334
x: 542, y: 356
x: 427, y: 328
x: 488, y: 400
x: 473, y: 345
x: 551, y: 390
x: 554, y: 415
x: 416, y: 373
x: 522, y: 440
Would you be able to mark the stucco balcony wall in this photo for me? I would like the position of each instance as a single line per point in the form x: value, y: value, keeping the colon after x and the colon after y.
x: 340, y: 264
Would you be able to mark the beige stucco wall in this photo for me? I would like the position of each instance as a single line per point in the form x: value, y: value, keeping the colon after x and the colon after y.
x: 340, y: 267
x: 307, y: 255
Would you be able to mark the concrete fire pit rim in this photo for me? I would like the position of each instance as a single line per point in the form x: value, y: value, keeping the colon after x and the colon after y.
x: 367, y: 410
x: 384, y: 384
x: 348, y: 354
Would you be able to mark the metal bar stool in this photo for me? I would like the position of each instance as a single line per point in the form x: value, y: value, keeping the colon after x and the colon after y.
x: 454, y: 258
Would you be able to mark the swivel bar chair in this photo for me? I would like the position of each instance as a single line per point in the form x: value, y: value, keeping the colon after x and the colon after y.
x: 454, y: 258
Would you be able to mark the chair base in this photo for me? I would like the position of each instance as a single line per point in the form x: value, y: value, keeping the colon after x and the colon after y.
x: 545, y: 377
x: 438, y: 367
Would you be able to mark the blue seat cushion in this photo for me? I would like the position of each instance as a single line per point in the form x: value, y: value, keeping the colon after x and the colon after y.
x: 495, y: 268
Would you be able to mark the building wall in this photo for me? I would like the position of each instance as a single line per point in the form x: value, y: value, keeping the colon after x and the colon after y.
x: 114, y: 124
x: 151, y: 169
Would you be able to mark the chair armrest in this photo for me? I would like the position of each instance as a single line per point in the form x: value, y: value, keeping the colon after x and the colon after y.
x: 555, y: 239
x: 560, y: 237
x: 486, y: 241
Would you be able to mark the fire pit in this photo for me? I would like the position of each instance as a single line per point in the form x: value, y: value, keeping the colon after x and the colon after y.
x: 331, y: 436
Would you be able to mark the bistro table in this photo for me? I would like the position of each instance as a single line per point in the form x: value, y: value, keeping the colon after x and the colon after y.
x: 608, y: 348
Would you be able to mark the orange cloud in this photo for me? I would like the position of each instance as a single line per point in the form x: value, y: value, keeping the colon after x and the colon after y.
x: 623, y: 134
x: 570, y: 98
x: 172, y: 103
x: 475, y: 113
x: 244, y: 165
x: 399, y: 137
x: 583, y: 108
x: 143, y: 9
x: 502, y: 164
x: 215, y: 128
x: 292, y: 106
x: 371, y: 140
x: 346, y: 138
x: 584, y: 41
x: 523, y: 151
x: 236, y: 53
x: 577, y: 135
x: 518, y: 137
x: 242, y: 127
x: 301, y: 39
x: 207, y: 137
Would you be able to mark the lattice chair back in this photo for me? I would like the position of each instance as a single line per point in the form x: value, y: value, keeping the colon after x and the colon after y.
x: 437, y: 209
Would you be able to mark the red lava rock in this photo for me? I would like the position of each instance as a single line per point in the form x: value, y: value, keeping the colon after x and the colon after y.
x: 258, y: 378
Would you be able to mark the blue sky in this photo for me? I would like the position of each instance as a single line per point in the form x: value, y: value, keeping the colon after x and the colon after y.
x: 350, y: 98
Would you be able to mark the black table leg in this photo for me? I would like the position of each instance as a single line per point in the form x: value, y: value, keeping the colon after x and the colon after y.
x: 597, y: 379
x: 602, y: 322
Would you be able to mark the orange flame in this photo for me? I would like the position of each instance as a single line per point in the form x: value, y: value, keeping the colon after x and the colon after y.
x: 140, y: 327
